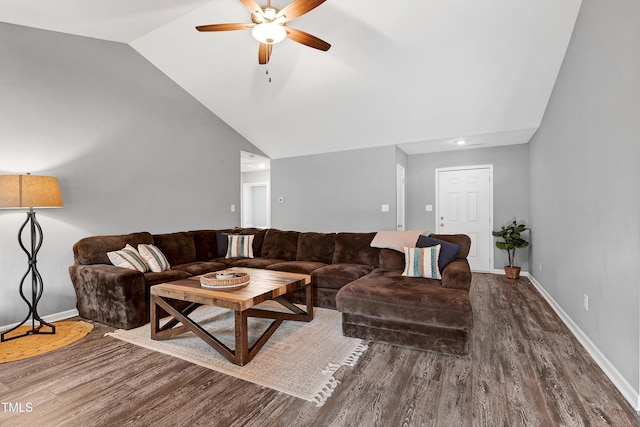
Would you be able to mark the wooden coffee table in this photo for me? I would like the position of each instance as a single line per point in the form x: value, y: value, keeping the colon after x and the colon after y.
x: 265, y: 285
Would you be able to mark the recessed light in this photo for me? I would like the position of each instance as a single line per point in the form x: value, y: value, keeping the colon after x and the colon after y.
x: 461, y: 142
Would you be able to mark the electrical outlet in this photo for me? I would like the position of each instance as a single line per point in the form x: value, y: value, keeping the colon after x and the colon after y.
x: 586, y: 302
x: 540, y: 267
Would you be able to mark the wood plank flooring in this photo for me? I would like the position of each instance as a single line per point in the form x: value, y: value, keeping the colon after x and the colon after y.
x: 525, y: 368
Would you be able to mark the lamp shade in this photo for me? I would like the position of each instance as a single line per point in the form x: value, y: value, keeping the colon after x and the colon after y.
x: 29, y: 191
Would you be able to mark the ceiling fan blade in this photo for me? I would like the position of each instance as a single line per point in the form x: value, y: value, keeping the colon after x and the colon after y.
x: 253, y: 6
x: 298, y: 8
x: 264, y: 53
x: 307, y: 39
x: 225, y: 27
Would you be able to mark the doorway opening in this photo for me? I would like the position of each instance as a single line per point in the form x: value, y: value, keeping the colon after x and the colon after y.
x: 255, y: 171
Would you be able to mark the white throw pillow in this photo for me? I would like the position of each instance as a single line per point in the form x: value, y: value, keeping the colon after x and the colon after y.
x: 128, y: 257
x: 240, y: 245
x: 154, y: 258
x: 422, y: 262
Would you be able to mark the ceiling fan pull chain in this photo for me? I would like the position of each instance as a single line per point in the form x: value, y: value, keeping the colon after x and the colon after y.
x: 268, y: 61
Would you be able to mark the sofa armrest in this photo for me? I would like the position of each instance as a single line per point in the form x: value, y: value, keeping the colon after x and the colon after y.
x: 457, y: 274
x: 112, y: 295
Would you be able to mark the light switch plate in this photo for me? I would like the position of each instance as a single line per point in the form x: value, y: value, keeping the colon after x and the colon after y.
x: 428, y: 208
x: 384, y: 208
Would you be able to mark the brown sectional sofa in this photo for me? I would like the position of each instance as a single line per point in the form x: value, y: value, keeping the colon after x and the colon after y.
x: 364, y: 283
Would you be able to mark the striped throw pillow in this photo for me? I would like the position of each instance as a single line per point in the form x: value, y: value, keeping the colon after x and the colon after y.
x: 240, y: 245
x: 422, y: 262
x: 128, y: 257
x: 154, y: 258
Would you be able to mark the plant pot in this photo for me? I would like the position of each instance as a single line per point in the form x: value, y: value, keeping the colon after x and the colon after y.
x: 512, y: 272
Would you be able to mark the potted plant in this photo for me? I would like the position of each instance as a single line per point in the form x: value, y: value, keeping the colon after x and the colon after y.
x: 512, y: 240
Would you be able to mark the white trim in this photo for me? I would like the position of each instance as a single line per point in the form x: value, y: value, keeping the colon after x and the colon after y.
x: 627, y: 390
x: 63, y: 315
x: 401, y: 197
x: 437, y: 210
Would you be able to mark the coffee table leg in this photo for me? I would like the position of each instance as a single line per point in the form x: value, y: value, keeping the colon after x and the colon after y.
x: 242, y: 339
x: 310, y: 302
x: 155, y: 322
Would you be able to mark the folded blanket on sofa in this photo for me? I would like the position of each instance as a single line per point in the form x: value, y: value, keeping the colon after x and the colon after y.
x: 396, y: 240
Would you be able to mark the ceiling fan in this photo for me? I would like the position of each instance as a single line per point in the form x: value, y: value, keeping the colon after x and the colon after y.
x: 268, y: 26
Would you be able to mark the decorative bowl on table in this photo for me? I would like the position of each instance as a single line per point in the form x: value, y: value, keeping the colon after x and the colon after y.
x: 224, y: 280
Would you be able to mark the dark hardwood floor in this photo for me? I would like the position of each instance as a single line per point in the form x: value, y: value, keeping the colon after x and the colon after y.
x: 524, y: 368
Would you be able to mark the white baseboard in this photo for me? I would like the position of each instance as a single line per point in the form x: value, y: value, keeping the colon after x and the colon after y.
x: 49, y: 318
x: 627, y: 390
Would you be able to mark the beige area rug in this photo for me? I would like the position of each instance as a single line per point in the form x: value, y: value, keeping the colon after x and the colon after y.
x: 33, y: 345
x: 299, y: 359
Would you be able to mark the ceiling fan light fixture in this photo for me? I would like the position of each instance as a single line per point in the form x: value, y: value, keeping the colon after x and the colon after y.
x: 269, y: 33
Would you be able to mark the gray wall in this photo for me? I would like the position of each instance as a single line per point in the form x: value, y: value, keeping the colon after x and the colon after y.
x: 336, y: 191
x: 131, y: 149
x: 510, y: 188
x: 585, y: 180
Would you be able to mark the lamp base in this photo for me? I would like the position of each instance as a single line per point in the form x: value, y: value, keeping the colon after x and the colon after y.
x: 35, y: 330
x: 36, y: 282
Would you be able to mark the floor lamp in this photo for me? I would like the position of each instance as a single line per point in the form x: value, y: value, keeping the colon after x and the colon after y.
x: 30, y: 191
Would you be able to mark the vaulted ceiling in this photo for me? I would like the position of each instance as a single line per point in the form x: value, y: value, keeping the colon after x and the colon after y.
x: 418, y: 74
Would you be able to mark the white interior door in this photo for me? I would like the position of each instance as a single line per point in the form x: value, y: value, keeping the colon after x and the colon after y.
x: 465, y: 205
x: 400, y: 198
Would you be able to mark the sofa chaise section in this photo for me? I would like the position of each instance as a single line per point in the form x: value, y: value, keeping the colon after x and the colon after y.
x: 417, y: 312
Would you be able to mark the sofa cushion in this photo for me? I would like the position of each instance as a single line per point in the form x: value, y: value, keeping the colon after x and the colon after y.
x: 154, y: 258
x: 200, y: 267
x: 448, y: 251
x: 179, y: 248
x: 422, y: 262
x: 153, y: 278
x: 354, y: 248
x: 390, y: 258
x: 128, y: 257
x: 93, y: 250
x: 335, y: 276
x: 386, y: 294
x: 316, y: 247
x: 280, y: 244
x: 254, y: 262
x: 302, y: 267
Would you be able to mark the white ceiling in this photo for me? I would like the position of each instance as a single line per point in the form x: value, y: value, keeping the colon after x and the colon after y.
x: 419, y: 74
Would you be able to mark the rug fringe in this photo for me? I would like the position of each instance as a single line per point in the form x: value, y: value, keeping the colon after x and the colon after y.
x: 351, y: 360
x: 353, y: 357
x: 322, y: 397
